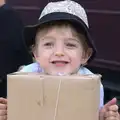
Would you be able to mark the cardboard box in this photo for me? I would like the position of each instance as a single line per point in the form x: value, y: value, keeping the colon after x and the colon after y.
x: 42, y: 97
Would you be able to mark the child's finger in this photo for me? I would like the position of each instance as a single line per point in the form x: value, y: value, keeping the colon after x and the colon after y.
x: 3, y: 112
x: 110, y: 103
x: 113, y: 108
x: 111, y: 113
x: 3, y: 106
x: 112, y: 118
x: 3, y: 117
x: 3, y: 100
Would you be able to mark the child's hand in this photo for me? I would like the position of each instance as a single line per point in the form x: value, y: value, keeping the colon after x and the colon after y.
x: 3, y: 109
x: 110, y: 111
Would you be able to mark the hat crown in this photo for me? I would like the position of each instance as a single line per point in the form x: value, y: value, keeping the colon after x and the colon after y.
x: 66, y: 6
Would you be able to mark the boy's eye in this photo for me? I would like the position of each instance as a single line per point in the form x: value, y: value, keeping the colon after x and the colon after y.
x: 48, y: 44
x: 71, y: 45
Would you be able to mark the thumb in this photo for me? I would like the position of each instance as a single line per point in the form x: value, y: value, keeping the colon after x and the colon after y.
x: 105, y: 108
x: 111, y: 102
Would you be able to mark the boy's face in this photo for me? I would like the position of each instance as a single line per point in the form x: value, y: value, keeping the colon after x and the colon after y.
x: 58, y: 50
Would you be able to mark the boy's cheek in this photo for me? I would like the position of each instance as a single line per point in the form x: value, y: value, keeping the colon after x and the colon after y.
x: 45, y: 54
x: 43, y: 62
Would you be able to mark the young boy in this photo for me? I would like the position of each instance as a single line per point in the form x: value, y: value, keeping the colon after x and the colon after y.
x: 61, y: 44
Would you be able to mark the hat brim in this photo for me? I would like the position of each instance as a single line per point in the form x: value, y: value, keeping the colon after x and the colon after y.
x: 30, y: 31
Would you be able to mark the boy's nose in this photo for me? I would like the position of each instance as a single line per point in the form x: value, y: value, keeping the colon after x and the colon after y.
x: 59, y: 51
x: 59, y: 54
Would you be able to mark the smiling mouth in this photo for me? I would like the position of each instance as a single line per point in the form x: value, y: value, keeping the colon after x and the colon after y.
x: 59, y: 63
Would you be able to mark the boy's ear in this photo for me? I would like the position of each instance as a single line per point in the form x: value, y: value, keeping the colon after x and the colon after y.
x: 34, y: 51
x: 34, y: 54
x: 87, y: 55
x: 36, y: 58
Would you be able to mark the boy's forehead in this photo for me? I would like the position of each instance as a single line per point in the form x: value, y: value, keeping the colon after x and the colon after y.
x: 57, y: 28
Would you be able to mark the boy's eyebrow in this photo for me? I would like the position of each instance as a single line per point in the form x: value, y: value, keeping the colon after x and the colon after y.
x: 47, y: 37
x: 52, y: 38
x: 73, y: 39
